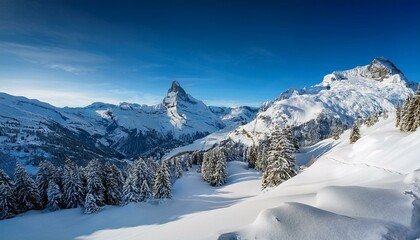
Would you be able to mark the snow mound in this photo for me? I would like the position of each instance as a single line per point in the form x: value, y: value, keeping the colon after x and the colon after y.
x: 301, y: 221
x: 366, y: 202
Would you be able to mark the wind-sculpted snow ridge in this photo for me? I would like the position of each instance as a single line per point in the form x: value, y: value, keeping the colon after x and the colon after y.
x: 31, y: 130
x: 336, y: 102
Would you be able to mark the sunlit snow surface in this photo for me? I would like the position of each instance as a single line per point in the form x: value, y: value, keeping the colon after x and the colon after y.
x: 360, y: 191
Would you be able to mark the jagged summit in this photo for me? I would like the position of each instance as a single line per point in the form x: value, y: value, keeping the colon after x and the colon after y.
x: 176, y: 88
x: 380, y: 69
x: 175, y: 94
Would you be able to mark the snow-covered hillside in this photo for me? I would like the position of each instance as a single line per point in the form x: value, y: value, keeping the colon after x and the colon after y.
x: 340, y: 99
x: 337, y: 101
x: 31, y: 130
x: 366, y: 190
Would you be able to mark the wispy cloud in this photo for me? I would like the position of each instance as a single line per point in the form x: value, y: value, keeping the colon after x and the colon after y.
x: 68, y: 94
x: 68, y: 60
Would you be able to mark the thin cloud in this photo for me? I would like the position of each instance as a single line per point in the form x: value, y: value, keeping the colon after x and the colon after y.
x: 68, y: 60
x: 71, y: 95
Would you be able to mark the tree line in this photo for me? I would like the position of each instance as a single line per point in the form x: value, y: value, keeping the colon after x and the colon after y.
x: 90, y: 188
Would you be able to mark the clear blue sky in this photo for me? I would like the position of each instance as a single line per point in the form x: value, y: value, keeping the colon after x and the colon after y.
x: 222, y: 52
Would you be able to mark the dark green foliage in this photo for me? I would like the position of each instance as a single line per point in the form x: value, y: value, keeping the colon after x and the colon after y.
x: 354, y: 134
x: 113, y: 185
x: 281, y: 163
x: 7, y: 198
x: 72, y: 186
x: 26, y: 192
x: 162, y: 187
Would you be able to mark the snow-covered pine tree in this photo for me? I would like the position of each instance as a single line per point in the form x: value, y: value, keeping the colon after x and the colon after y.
x: 209, y: 165
x: 252, y: 156
x: 152, y: 164
x: 354, y: 134
x: 178, y: 168
x: 90, y: 204
x: 54, y: 196
x: 95, y: 186
x: 145, y: 192
x: 337, y: 132
x: 26, y: 192
x: 113, y: 184
x: 372, y: 119
x: 43, y: 177
x: 411, y: 116
x: 262, y: 151
x: 131, y: 190
x: 7, y: 198
x: 288, y: 131
x: 188, y: 162
x: 220, y: 171
x: 405, y: 114
x: 281, y: 161
x: 73, y: 192
x: 162, y: 188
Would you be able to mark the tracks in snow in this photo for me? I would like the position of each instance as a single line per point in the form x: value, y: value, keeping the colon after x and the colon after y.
x: 366, y: 165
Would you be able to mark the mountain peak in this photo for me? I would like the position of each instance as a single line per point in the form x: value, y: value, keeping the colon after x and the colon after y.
x: 380, y: 67
x: 176, y: 93
x: 176, y: 88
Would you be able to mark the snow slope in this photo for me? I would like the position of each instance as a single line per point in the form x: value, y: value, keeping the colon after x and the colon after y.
x: 337, y: 101
x: 362, y: 191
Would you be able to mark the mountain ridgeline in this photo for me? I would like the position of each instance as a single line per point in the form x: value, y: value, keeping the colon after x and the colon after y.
x: 31, y: 131
x: 341, y: 99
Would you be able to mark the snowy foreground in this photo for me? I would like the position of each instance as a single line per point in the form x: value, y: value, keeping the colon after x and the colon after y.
x: 362, y: 191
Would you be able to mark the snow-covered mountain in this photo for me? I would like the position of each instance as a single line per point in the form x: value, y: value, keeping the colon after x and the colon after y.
x: 366, y: 190
x: 337, y: 101
x: 33, y: 130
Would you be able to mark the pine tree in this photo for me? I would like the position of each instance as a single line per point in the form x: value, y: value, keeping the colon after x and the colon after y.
x: 152, y: 164
x: 145, y: 192
x: 90, y: 204
x: 209, y: 165
x: 292, y: 139
x: 113, y: 184
x: 54, y: 196
x: 95, y: 185
x: 178, y: 169
x: 281, y: 161
x: 354, y: 134
x: 131, y: 190
x: 7, y: 198
x: 410, y: 113
x: 26, y: 192
x: 252, y: 157
x: 72, y: 186
x: 337, y: 132
x: 220, y: 172
x: 43, y: 177
x: 162, y: 188
x: 405, y: 114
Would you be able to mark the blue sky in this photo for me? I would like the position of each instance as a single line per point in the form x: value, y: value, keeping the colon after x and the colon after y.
x: 72, y: 53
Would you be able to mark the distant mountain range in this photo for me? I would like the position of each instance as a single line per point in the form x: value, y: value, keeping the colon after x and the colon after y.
x: 316, y: 112
x: 31, y: 130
